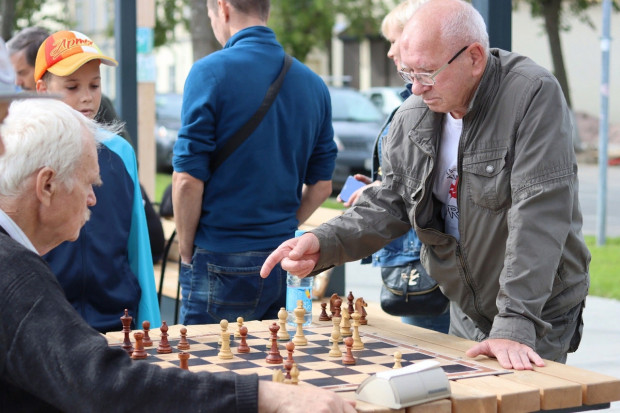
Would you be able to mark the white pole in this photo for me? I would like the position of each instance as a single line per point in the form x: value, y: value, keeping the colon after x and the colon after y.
x: 601, y: 211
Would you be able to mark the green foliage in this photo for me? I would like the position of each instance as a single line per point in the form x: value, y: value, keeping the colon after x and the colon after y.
x: 575, y: 7
x: 605, y: 268
x: 301, y: 25
x: 169, y: 14
x: 28, y: 13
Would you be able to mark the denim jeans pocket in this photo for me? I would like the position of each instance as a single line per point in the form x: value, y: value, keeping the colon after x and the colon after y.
x: 234, y: 291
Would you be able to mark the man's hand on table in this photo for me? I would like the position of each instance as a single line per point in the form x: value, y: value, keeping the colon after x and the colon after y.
x: 509, y: 354
x: 287, y: 398
x: 297, y: 256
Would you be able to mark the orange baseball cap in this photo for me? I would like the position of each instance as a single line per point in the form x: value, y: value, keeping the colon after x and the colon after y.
x: 64, y: 52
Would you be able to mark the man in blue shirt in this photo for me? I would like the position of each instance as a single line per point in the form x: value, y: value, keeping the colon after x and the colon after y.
x: 228, y: 220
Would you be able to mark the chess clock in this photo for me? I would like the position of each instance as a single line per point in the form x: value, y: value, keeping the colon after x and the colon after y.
x: 415, y: 384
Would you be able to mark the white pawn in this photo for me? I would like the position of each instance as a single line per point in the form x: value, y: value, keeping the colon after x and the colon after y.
x: 282, y: 333
x: 397, y: 358
x: 335, y: 351
x: 239, y: 325
x: 336, y: 330
x: 300, y: 312
x: 225, y: 352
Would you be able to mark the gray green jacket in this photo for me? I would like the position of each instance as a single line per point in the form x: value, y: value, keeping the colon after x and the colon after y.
x: 521, y: 258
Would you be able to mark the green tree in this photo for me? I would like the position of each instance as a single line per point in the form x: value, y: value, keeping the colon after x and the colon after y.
x: 18, y: 14
x: 303, y: 24
x: 554, y: 14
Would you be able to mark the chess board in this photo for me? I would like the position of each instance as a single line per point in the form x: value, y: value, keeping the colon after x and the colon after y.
x: 313, y: 361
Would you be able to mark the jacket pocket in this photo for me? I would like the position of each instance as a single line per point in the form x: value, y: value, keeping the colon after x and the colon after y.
x: 486, y: 180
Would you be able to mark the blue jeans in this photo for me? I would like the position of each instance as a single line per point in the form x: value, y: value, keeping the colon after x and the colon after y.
x: 224, y: 286
x: 440, y: 323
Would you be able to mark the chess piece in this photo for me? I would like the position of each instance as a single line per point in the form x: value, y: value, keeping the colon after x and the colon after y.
x: 282, y: 333
x: 359, y: 307
x: 287, y: 377
x: 274, y: 356
x: 146, y: 326
x: 239, y: 324
x: 345, y: 324
x: 357, y: 340
x: 324, y: 316
x: 335, y: 351
x: 126, y: 321
x: 278, y: 376
x: 243, y: 345
x: 225, y: 352
x: 397, y: 360
x: 290, y: 347
x: 300, y: 312
x: 294, y: 374
x: 350, y: 298
x: 164, y: 346
x: 332, y: 301
x: 139, y: 353
x: 337, y: 307
x: 183, y: 344
x: 347, y: 357
x: 183, y: 363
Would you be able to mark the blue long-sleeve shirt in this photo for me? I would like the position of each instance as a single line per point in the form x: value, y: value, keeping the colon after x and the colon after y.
x: 250, y: 202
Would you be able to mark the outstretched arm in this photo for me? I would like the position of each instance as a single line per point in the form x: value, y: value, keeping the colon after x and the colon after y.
x: 278, y: 397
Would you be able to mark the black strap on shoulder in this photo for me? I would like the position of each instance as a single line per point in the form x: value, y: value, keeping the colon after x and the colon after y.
x: 246, y: 130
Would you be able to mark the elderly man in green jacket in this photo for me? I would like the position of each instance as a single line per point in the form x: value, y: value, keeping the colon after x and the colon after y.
x: 480, y: 162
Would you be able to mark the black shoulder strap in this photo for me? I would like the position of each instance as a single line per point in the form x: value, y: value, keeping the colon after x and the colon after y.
x: 246, y: 130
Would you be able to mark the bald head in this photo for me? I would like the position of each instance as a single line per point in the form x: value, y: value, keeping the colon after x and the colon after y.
x: 446, y: 40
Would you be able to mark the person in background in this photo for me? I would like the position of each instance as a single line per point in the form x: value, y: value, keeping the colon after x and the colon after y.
x: 109, y: 268
x: 480, y: 161
x: 51, y: 359
x: 229, y: 220
x: 405, y: 250
x: 23, y: 48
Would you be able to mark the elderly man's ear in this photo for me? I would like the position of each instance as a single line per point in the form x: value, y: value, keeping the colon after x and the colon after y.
x: 477, y: 56
x: 46, y: 185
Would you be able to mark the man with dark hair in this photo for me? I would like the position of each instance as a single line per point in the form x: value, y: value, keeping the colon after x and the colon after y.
x: 230, y: 218
x: 23, y: 48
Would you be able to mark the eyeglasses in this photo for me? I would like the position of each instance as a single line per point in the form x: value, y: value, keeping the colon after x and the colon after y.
x: 427, y: 79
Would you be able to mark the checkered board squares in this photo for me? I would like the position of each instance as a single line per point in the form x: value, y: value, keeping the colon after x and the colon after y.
x: 315, y: 365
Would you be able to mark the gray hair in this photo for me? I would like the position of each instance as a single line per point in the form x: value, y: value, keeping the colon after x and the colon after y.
x: 29, y: 40
x: 42, y: 133
x: 465, y: 26
x: 400, y: 14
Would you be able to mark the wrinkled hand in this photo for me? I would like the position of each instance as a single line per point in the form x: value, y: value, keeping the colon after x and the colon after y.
x: 278, y: 397
x: 509, y: 354
x: 297, y: 256
x: 355, y: 195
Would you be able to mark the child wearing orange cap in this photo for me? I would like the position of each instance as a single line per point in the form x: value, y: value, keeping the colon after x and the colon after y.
x: 109, y: 268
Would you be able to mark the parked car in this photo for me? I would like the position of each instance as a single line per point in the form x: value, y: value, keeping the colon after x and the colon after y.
x: 356, y: 122
x: 355, y: 119
x: 386, y: 99
x: 167, y: 124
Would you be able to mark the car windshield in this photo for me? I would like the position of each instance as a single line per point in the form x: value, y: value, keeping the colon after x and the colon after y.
x: 350, y: 105
x: 168, y: 107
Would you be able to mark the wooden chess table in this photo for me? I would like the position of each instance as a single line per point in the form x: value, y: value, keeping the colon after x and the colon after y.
x: 477, y: 385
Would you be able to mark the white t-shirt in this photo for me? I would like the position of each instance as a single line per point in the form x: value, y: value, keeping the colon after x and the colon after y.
x: 446, y: 179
